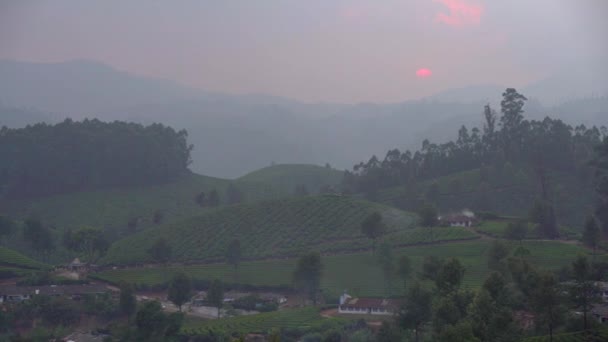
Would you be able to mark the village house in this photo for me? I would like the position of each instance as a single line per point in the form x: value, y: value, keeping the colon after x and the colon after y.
x: 367, y: 306
x: 11, y: 293
x: 458, y: 221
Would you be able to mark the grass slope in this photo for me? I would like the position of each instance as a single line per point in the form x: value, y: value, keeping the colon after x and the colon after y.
x: 10, y: 259
x: 115, y: 207
x: 287, y: 176
x: 359, y: 273
x: 273, y: 228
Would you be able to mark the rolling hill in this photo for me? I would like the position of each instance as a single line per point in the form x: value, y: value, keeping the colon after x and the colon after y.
x: 112, y: 209
x: 287, y: 176
x: 274, y: 228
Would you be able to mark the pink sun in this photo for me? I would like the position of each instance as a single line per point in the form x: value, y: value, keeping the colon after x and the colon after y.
x: 423, y: 73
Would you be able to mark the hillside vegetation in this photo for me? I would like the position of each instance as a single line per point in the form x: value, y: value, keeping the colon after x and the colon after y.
x: 288, y: 176
x: 364, y: 279
x: 272, y: 228
x: 502, y: 189
x: 112, y: 209
x: 14, y: 260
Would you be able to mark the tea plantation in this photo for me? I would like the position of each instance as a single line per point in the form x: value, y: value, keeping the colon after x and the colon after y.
x: 274, y: 228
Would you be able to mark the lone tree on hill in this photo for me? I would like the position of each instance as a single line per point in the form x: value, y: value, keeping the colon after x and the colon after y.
x: 215, y: 295
x: 160, y: 250
x: 307, y: 275
x: 516, y: 230
x: 373, y: 228
x: 38, y: 236
x: 200, y: 199
x: 214, y: 198
x: 127, y: 301
x: 417, y: 311
x: 88, y: 241
x: 404, y: 269
x: 387, y: 263
x: 428, y: 215
x: 233, y: 254
x: 180, y: 289
x: 591, y: 234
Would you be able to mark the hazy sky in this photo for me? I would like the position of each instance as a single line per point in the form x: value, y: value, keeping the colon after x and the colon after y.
x: 322, y: 50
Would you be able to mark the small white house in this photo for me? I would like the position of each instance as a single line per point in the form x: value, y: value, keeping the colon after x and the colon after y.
x: 459, y: 221
x: 367, y: 306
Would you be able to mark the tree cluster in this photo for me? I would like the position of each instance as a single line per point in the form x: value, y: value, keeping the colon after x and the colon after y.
x: 70, y: 156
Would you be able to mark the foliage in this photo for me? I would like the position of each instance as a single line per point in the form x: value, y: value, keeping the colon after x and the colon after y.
x: 160, y: 250
x: 373, y: 227
x: 38, y: 236
x: 417, y: 309
x: 404, y: 269
x: 338, y: 274
x: 180, y: 290
x: 285, y: 227
x: 233, y: 253
x: 88, y: 241
x: 591, y: 233
x: 428, y: 215
x: 89, y: 155
x: 513, y: 162
x: 307, y: 275
x: 516, y: 230
x: 450, y: 276
x: 215, y: 295
x: 127, y: 302
x: 154, y: 325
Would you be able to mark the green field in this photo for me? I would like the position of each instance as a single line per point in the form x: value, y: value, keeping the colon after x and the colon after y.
x: 359, y: 273
x: 302, y: 319
x: 497, y: 229
x: 286, y: 177
x: 13, y: 260
x: 286, y: 227
x: 113, y: 208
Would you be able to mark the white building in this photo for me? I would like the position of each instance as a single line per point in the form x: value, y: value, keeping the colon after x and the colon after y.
x: 367, y: 306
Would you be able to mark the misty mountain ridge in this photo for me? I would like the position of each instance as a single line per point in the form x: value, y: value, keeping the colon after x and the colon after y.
x: 235, y: 134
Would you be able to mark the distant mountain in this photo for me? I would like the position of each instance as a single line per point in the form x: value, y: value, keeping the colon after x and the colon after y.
x: 234, y: 134
x: 20, y: 117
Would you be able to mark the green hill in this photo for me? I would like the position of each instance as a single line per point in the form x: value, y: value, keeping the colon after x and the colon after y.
x: 13, y: 260
x: 271, y: 228
x: 287, y: 176
x: 113, y: 208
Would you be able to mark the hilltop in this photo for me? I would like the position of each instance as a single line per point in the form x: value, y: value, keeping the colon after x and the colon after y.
x: 287, y: 177
x: 265, y: 229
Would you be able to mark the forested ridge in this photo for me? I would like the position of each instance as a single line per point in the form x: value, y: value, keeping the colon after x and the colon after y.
x: 507, y: 146
x: 45, y: 159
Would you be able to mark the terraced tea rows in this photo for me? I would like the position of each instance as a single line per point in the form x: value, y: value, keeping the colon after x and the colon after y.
x: 265, y: 229
x: 13, y: 260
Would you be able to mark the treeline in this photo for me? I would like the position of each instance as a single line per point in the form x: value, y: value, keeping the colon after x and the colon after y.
x: 539, y: 145
x: 45, y: 159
